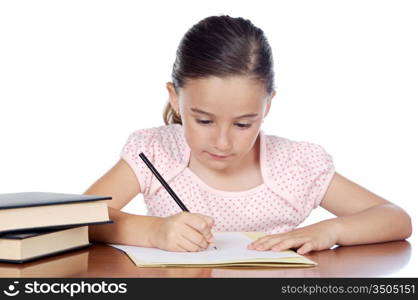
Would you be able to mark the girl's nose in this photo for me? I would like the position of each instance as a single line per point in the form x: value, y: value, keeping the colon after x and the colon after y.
x: 223, y: 142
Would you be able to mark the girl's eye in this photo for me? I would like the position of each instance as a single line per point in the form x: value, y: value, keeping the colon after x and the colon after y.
x: 205, y: 122
x: 240, y: 125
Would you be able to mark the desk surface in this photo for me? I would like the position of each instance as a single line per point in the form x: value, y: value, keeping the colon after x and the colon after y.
x: 377, y: 260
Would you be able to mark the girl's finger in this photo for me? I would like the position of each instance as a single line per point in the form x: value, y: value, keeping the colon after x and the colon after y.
x: 289, y: 243
x: 307, y: 247
x: 188, y: 245
x: 209, y: 220
x: 179, y: 248
x: 195, y: 237
x: 200, y: 224
x: 268, y: 243
x: 265, y: 239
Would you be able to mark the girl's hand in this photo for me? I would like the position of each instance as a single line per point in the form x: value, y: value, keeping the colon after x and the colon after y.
x: 182, y: 232
x: 319, y: 236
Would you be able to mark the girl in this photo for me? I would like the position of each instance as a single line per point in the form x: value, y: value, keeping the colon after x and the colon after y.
x: 228, y: 173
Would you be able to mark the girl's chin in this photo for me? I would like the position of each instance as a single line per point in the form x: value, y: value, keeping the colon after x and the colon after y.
x: 217, y: 164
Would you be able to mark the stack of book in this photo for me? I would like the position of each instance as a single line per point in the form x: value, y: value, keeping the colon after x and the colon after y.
x: 38, y: 224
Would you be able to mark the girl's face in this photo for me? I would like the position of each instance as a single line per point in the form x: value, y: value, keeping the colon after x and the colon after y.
x: 221, y: 118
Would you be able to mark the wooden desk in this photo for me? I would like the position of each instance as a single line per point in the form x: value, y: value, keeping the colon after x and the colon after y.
x: 99, y: 260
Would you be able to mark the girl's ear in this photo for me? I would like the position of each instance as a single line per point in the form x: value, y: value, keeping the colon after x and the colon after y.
x: 269, y: 103
x: 172, y: 96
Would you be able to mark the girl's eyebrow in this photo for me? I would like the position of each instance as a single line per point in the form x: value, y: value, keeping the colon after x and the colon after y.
x: 196, y: 110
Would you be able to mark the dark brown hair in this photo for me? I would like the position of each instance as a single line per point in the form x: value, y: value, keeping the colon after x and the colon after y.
x: 221, y: 46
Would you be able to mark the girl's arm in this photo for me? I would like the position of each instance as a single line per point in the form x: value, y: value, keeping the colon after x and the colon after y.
x: 166, y: 233
x: 363, y: 218
x: 120, y: 183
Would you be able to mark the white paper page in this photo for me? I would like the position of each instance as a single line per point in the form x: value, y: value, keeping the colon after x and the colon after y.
x: 230, y: 246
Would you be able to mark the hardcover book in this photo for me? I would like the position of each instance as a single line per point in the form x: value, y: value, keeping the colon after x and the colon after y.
x: 24, y: 247
x: 34, y: 210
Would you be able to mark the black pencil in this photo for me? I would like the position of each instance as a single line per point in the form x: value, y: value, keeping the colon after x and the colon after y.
x: 163, y: 182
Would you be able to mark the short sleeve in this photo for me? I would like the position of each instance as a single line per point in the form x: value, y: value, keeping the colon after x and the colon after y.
x: 139, y: 141
x: 312, y: 168
x: 298, y: 172
x: 164, y: 146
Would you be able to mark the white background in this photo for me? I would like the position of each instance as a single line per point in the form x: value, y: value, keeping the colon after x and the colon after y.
x: 77, y: 77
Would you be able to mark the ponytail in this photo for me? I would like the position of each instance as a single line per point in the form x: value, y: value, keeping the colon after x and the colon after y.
x: 170, y: 116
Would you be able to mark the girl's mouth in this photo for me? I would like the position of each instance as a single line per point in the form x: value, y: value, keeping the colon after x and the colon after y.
x: 220, y: 157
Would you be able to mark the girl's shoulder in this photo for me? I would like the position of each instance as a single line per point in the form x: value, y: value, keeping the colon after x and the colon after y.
x: 172, y: 132
x: 297, y: 170
x: 159, y: 143
x: 164, y: 146
x: 284, y: 151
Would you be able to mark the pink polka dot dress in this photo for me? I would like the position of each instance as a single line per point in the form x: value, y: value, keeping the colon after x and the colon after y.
x: 295, y: 175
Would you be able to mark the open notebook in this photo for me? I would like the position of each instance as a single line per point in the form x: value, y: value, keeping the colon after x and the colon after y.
x: 231, y: 251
